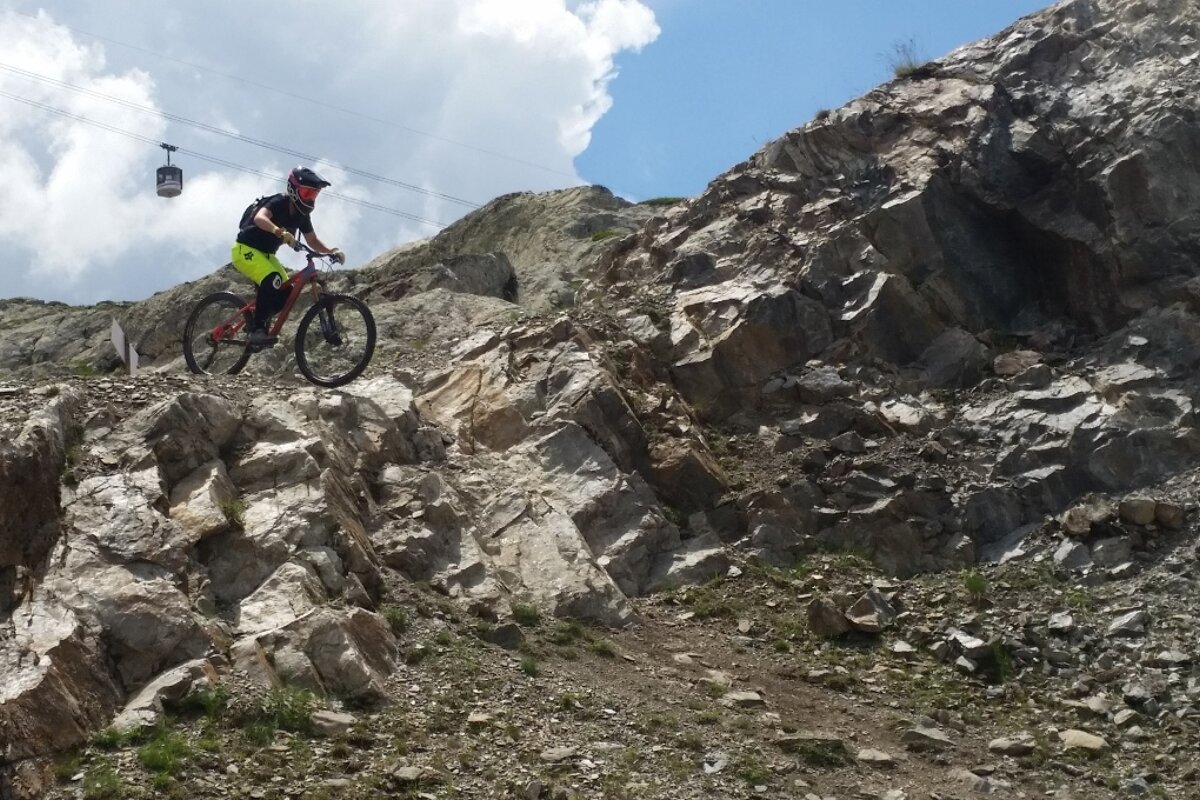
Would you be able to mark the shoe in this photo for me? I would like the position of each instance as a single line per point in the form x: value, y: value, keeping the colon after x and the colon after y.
x: 259, y: 338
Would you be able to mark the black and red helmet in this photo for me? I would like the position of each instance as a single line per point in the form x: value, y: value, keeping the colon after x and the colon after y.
x: 303, y: 186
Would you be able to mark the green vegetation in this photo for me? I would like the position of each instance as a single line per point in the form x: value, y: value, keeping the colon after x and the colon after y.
x: 67, y: 768
x: 662, y: 201
x: 784, y: 577
x: 837, y: 681
x: 209, y: 702
x: 72, y: 460
x: 529, y: 666
x: 568, y: 632
x: 235, y: 512
x: 1004, y: 663
x: 852, y: 561
x: 291, y: 709
x: 257, y: 733
x: 526, y: 614
x: 166, y: 753
x: 1026, y: 577
x: 976, y: 586
x: 102, y: 782
x: 820, y: 753
x: 751, y: 770
x: 603, y: 647
x: 397, y: 619
x: 606, y: 233
x: 569, y: 701
x: 112, y: 739
x: 1080, y: 599
x: 710, y: 600
x: 904, y: 59
x: 287, y: 709
x: 674, y: 515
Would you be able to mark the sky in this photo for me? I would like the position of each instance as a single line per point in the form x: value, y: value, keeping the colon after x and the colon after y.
x: 416, y: 110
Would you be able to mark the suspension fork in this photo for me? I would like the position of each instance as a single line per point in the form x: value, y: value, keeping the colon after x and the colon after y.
x: 329, y: 328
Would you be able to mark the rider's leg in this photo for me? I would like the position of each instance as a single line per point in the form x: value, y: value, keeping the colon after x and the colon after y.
x: 266, y: 271
x: 271, y: 297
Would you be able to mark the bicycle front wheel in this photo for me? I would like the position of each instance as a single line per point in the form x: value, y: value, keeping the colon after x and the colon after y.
x: 335, y: 341
x: 214, y: 338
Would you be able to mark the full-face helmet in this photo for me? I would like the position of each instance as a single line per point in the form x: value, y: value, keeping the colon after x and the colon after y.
x: 303, y: 186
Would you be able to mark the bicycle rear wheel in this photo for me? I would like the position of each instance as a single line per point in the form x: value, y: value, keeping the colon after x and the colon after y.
x: 335, y: 340
x: 214, y: 338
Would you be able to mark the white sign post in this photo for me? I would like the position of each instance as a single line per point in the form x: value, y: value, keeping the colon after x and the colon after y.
x: 124, y: 349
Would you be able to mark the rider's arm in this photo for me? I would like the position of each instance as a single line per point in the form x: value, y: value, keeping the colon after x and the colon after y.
x: 263, y: 220
x: 316, y: 244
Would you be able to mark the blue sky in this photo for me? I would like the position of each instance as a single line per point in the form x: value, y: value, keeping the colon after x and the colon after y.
x: 410, y: 107
x: 725, y: 77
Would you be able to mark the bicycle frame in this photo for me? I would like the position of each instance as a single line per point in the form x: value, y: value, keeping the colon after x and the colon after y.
x: 296, y: 283
x: 305, y: 277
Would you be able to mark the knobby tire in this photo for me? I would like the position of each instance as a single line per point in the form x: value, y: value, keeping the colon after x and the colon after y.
x: 354, y: 337
x: 208, y: 313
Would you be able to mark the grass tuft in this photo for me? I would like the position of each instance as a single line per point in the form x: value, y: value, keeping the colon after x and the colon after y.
x: 397, y: 619
x: 662, y: 201
x: 166, y: 753
x: 235, y: 512
x: 605, y: 648
x: 976, y: 586
x: 905, y: 59
x: 102, y: 782
x: 526, y: 615
x: 568, y: 632
x: 211, y: 703
x: 751, y: 770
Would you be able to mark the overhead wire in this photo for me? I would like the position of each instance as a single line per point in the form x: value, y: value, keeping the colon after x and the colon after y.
x: 211, y: 159
x: 313, y: 101
x: 204, y: 126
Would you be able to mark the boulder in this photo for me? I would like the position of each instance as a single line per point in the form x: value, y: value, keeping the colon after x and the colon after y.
x: 31, y: 468
x: 826, y: 620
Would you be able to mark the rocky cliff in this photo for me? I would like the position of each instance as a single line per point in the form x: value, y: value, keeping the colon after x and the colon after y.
x: 761, y: 432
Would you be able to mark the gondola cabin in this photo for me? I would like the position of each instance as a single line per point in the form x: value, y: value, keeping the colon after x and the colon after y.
x: 170, y: 181
x: 170, y: 178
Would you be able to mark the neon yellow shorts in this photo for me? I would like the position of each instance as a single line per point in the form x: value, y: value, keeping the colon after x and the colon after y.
x: 255, y: 264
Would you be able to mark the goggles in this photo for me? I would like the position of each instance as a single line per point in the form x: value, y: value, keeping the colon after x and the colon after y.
x: 307, y: 193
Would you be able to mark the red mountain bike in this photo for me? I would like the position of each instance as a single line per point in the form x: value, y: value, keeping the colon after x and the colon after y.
x: 334, y: 342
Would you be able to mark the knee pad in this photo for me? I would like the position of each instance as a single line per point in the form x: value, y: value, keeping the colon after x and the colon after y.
x: 271, y: 294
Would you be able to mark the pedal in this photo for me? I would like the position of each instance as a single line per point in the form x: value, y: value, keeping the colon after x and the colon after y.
x: 262, y: 344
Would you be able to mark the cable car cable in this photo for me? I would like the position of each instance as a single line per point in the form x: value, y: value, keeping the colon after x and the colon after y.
x: 212, y: 159
x: 314, y: 101
x: 235, y: 136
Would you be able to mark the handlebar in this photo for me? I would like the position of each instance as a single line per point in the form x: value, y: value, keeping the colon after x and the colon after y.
x: 301, y: 247
x: 310, y: 270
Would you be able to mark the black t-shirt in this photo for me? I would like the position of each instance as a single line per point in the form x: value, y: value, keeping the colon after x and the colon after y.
x: 284, y: 214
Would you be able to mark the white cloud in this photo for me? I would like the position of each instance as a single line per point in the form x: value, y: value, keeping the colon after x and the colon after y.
x: 504, y: 93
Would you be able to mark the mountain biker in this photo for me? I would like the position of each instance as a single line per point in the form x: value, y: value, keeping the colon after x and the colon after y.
x: 275, y: 223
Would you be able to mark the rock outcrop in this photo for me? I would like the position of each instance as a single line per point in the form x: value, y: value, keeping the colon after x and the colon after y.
x: 953, y: 322
x: 1019, y: 197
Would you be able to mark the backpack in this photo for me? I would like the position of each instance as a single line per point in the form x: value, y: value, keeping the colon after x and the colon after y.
x: 252, y: 209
